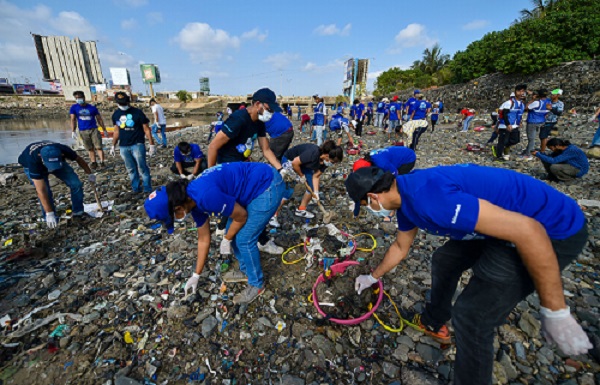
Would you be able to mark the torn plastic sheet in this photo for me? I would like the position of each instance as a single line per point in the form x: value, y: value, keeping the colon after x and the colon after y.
x: 43, y: 322
x: 93, y: 211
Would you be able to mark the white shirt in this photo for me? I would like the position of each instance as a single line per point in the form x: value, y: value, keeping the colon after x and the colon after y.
x: 157, y: 109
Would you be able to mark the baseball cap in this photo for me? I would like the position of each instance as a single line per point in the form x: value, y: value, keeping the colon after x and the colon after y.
x: 52, y: 157
x: 265, y: 95
x: 417, y: 92
x: 395, y: 98
x: 121, y: 98
x: 360, y: 182
x: 361, y: 163
x: 557, y: 91
x: 385, y: 100
x: 157, y: 208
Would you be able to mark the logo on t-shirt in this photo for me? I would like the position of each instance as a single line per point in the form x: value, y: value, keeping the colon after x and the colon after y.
x: 125, y: 121
x: 456, y: 212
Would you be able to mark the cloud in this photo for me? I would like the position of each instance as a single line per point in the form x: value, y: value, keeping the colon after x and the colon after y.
x: 118, y: 59
x: 414, y: 35
x: 134, y: 3
x: 205, y: 43
x: 282, y: 60
x: 129, y: 23
x: 332, y: 29
x: 333, y: 65
x: 476, y: 24
x: 127, y: 42
x: 255, y: 34
x: 214, y: 74
x: 73, y: 24
x: 154, y: 18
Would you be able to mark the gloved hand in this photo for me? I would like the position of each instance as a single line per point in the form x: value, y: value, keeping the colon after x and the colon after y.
x: 152, y: 150
x: 364, y: 282
x: 315, y: 197
x: 560, y: 327
x: 51, y: 220
x: 225, y: 248
x: 182, y: 176
x: 302, y: 179
x: 192, y: 284
x: 92, y: 178
x: 74, y: 135
x: 111, y: 152
x: 190, y: 177
x: 592, y: 119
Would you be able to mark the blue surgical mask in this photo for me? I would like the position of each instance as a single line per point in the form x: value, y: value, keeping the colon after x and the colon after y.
x: 80, y: 101
x: 327, y: 163
x: 382, y: 212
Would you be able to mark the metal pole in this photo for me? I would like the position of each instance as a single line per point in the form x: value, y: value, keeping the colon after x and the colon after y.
x: 151, y: 90
x: 354, y: 81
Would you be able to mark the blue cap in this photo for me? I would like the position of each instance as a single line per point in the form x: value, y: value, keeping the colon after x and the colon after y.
x: 265, y: 95
x: 157, y: 207
x: 417, y: 92
x: 52, y: 157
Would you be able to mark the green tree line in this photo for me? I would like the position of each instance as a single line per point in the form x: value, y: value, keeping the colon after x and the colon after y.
x: 551, y: 33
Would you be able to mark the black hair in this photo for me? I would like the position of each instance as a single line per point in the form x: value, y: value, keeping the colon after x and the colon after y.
x: 78, y: 93
x: 177, y: 194
x: 244, y: 103
x: 334, y: 151
x: 542, y: 93
x: 367, y: 157
x: 383, y: 184
x: 558, y: 142
x: 458, y: 110
x: 184, y: 147
x: 520, y: 87
x: 152, y: 100
x: 356, y: 101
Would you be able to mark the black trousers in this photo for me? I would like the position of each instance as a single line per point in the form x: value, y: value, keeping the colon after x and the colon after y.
x: 506, y: 139
x: 358, y: 128
x: 185, y: 165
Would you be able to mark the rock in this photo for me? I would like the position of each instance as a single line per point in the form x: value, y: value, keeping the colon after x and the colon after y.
x: 208, y: 326
x: 429, y: 353
x: 530, y: 325
x: 108, y: 269
x: 126, y: 381
x: 292, y: 380
x: 390, y: 370
x: 412, y: 376
x: 177, y: 312
x: 320, y: 342
x: 509, y: 369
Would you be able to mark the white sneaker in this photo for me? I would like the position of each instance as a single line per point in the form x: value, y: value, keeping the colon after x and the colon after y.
x: 304, y: 214
x: 506, y: 157
x: 270, y: 248
x: 273, y: 222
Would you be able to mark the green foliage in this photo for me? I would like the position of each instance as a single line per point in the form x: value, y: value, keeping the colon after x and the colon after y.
x: 553, y: 32
x: 341, y: 99
x: 183, y: 96
x: 433, y: 60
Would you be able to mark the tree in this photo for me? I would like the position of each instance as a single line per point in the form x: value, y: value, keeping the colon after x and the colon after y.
x: 540, y: 8
x: 433, y: 60
x: 183, y: 96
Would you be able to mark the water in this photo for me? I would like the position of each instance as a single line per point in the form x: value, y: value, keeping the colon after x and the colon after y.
x: 16, y: 134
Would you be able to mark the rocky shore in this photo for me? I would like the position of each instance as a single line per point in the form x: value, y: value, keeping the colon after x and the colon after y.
x: 101, y: 301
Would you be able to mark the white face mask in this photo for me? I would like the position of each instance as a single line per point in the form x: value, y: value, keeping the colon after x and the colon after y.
x: 123, y: 108
x: 80, y: 101
x: 327, y: 163
x: 182, y: 219
x: 382, y: 212
x: 265, y: 116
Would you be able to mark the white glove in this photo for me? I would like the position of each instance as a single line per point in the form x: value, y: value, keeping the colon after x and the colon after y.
x: 315, y: 197
x: 302, y: 179
x: 182, y: 176
x: 364, y: 282
x: 283, y: 172
x: 74, y: 135
x: 192, y: 284
x: 51, y: 220
x: 152, y: 150
x: 92, y: 178
x: 592, y: 119
x: 561, y: 328
x: 111, y: 152
x: 225, y: 248
x: 190, y: 177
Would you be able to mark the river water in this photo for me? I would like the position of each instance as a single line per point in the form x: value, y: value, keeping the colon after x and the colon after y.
x: 17, y: 133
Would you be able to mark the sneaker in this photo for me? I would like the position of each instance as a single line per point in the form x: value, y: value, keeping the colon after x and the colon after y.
x: 442, y: 335
x: 270, y: 248
x: 273, y: 222
x: 506, y: 157
x: 249, y: 294
x: 525, y: 157
x: 93, y: 165
x: 234, y: 276
x: 304, y: 214
x: 498, y: 160
x: 494, y: 151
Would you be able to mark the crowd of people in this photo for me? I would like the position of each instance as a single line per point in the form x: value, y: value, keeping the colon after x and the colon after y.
x: 514, y: 246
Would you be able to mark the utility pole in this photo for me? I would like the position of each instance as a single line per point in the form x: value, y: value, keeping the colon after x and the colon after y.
x: 151, y: 90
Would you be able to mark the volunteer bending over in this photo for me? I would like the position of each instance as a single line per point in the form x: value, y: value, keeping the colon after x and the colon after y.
x: 247, y: 193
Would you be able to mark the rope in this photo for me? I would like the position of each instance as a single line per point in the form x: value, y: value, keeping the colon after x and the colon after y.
x: 287, y: 251
x: 386, y: 327
x: 369, y: 249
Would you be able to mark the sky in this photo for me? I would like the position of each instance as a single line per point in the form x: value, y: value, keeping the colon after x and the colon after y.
x: 294, y: 48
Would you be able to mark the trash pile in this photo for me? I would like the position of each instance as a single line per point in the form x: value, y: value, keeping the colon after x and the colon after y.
x: 102, y: 301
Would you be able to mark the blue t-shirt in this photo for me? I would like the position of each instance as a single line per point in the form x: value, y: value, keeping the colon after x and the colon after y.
x: 370, y: 106
x: 319, y: 117
x: 86, y: 116
x: 410, y: 105
x: 195, y: 153
x: 390, y: 159
x: 338, y: 122
x: 277, y: 125
x: 380, y: 107
x: 219, y: 188
x: 435, y: 114
x: 359, y: 109
x: 31, y: 160
x: 131, y: 126
x: 421, y: 107
x: 443, y: 200
x: 395, y: 109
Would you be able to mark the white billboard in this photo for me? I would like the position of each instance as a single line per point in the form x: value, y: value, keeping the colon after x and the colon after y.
x: 120, y: 76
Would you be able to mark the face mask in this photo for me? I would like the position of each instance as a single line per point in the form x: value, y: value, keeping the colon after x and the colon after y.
x: 80, y: 101
x: 265, y: 116
x: 181, y: 219
x: 123, y: 108
x: 327, y: 163
x: 381, y: 212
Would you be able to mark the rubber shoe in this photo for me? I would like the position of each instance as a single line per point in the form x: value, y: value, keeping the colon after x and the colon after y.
x: 249, y: 294
x: 304, y: 214
x: 273, y: 222
x: 494, y: 151
x: 271, y: 248
x: 234, y: 276
x: 414, y: 321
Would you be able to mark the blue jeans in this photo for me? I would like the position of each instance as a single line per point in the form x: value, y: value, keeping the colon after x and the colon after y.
x: 467, y: 122
x: 67, y: 175
x: 596, y: 140
x: 135, y: 158
x: 260, y: 210
x: 163, y: 130
x: 500, y: 281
